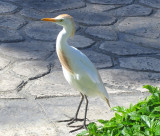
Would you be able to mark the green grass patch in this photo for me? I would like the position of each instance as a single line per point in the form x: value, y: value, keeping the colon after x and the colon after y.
x: 141, y: 119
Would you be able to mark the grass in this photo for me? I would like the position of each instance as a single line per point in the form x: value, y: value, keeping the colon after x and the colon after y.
x: 141, y: 119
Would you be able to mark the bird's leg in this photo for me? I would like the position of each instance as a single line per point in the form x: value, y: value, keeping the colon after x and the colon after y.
x: 82, y: 98
x: 72, y: 120
x: 75, y: 117
x: 85, y: 115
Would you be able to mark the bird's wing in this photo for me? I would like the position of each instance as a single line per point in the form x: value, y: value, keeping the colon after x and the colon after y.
x: 82, y: 63
x: 88, y: 71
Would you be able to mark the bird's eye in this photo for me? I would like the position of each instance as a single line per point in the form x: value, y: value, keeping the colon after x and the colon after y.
x: 60, y: 20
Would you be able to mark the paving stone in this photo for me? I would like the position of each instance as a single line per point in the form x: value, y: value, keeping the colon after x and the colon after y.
x: 11, y: 95
x: 7, y: 7
x: 86, y: 17
x: 144, y: 27
x: 140, y: 63
x: 16, y: 111
x: 98, y: 8
x: 125, y: 99
x: 146, y: 42
x: 11, y: 21
x: 27, y: 50
x: 4, y: 62
x: 121, y: 2
x: 31, y: 69
x: 9, y: 82
x: 63, y: 130
x: 128, y: 80
x: 65, y: 108
x: 8, y: 35
x: 115, y: 90
x: 131, y: 10
x: 100, y: 60
x: 157, y: 14
x: 24, y: 118
x: 35, y: 14
x: 45, y: 31
x: 151, y: 3
x: 80, y: 41
x: 105, y: 32
x: 54, y: 62
x: 51, y: 5
x: 125, y: 48
x: 53, y: 84
x: 57, y: 64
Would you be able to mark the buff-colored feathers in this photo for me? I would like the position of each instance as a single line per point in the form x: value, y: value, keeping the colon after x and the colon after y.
x: 71, y: 18
x: 64, y: 61
x: 64, y: 16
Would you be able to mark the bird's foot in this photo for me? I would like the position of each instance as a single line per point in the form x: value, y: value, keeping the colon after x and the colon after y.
x: 84, y: 126
x: 72, y: 120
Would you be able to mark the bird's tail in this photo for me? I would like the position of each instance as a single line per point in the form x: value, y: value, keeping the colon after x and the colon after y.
x: 107, y: 100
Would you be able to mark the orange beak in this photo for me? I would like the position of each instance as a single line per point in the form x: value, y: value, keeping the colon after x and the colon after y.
x: 50, y: 19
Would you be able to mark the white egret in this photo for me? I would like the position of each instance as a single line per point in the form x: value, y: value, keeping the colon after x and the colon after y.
x: 78, y: 70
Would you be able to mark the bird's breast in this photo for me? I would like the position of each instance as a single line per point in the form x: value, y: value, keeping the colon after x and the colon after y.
x: 64, y: 60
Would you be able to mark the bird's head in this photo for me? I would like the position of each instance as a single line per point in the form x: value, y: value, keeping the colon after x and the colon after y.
x: 64, y: 20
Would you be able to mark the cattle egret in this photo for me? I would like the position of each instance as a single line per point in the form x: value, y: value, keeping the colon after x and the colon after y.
x: 78, y: 70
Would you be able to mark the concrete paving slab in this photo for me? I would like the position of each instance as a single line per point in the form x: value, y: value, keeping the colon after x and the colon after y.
x: 118, y: 2
x: 31, y: 69
x: 4, y: 62
x: 142, y: 41
x: 6, y: 7
x: 62, y: 108
x: 10, y: 35
x: 11, y: 21
x: 153, y: 3
x: 131, y: 10
x: 140, y: 63
x: 27, y: 50
x: 80, y: 41
x: 85, y: 17
x: 145, y: 27
x: 104, y: 32
x: 58, y: 5
x: 9, y: 82
x: 23, y: 118
x: 125, y: 48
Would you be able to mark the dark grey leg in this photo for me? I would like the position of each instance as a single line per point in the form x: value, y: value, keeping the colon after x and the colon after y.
x: 85, y: 115
x: 72, y: 120
x: 82, y: 98
x: 75, y: 117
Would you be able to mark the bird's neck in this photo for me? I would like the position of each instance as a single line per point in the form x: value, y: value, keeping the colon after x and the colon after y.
x: 62, y: 49
x: 62, y: 38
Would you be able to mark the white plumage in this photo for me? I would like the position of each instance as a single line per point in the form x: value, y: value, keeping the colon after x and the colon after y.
x: 85, y: 78
x: 78, y: 70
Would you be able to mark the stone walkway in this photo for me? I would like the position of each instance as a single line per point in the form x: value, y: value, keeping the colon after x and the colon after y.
x: 121, y: 37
